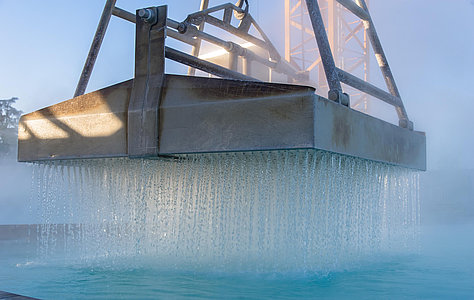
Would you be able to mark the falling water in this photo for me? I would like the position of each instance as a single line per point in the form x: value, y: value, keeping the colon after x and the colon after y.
x: 280, y: 211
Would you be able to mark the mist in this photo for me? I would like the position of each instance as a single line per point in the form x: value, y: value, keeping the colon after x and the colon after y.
x: 428, y: 44
x: 272, y: 225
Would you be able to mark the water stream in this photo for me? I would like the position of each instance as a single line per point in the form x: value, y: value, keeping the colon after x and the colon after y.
x: 286, y: 211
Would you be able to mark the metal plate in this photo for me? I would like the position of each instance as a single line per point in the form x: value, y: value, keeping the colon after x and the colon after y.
x: 347, y: 131
x: 88, y: 126
x: 200, y: 115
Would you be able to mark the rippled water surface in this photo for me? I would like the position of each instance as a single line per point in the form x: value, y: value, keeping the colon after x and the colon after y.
x: 442, y: 268
x: 305, y: 224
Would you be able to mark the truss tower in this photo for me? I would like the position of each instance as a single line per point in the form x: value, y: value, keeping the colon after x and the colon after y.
x: 348, y: 40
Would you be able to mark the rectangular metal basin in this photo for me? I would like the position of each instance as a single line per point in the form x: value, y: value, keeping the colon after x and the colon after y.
x: 198, y: 115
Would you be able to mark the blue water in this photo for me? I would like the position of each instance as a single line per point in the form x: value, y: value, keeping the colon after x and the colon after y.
x: 442, y: 268
x: 287, y: 211
x: 267, y: 225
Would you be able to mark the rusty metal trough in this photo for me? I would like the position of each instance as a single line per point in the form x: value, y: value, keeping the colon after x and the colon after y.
x: 158, y: 114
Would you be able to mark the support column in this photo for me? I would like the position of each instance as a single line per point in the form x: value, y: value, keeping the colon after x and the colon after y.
x: 143, y: 110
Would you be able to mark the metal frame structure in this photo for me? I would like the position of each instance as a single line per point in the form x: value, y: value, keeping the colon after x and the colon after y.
x: 158, y: 114
x: 347, y: 38
x: 191, y: 32
x: 331, y: 40
x: 335, y: 76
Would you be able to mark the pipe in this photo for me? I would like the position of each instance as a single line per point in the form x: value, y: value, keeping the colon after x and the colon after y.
x: 128, y: 16
x: 191, y: 35
x: 203, y: 65
x: 280, y: 66
x: 123, y: 14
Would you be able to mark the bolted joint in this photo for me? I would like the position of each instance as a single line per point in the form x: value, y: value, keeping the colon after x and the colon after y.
x: 339, y: 96
x: 405, y: 123
x: 147, y: 14
x: 231, y: 47
x: 345, y: 100
x: 182, y: 27
x: 333, y: 95
x: 236, y: 48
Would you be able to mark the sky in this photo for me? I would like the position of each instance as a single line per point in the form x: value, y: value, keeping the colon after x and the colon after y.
x: 429, y: 45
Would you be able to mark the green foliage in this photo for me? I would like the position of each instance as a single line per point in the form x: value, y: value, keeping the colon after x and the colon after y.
x: 9, y: 117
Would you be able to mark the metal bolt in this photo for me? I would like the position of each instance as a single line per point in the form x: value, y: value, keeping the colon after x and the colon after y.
x: 182, y: 27
x: 405, y: 123
x: 339, y: 97
x: 146, y: 14
x: 345, y: 100
x: 333, y: 95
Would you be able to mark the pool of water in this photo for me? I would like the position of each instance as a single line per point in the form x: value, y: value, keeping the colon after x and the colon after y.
x: 441, y: 267
x: 281, y: 225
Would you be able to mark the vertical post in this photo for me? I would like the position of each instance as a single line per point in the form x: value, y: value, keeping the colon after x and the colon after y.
x: 366, y: 98
x: 233, y: 61
x: 143, y: 110
x: 302, y: 36
x: 287, y: 31
x: 247, y: 66
x: 95, y: 47
x: 197, y: 48
x: 384, y: 67
x: 335, y: 90
x: 332, y: 28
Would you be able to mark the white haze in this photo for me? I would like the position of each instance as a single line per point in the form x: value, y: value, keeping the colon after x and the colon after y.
x: 428, y: 43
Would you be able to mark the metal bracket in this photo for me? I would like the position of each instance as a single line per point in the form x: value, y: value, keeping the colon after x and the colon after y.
x: 154, y: 29
x: 143, y: 114
x: 335, y: 75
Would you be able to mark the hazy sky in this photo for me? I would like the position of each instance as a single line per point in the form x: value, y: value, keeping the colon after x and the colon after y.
x: 429, y: 44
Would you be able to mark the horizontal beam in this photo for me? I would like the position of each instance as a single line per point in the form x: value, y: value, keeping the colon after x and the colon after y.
x: 128, y: 16
x: 213, y: 9
x: 192, y: 33
x: 123, y: 14
x: 203, y: 65
x: 368, y: 88
x: 280, y: 66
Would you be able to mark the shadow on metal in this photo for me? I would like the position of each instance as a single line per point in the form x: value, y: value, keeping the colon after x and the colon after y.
x: 158, y: 114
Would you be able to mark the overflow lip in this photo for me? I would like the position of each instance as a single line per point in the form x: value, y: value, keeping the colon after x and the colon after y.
x: 257, y: 116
